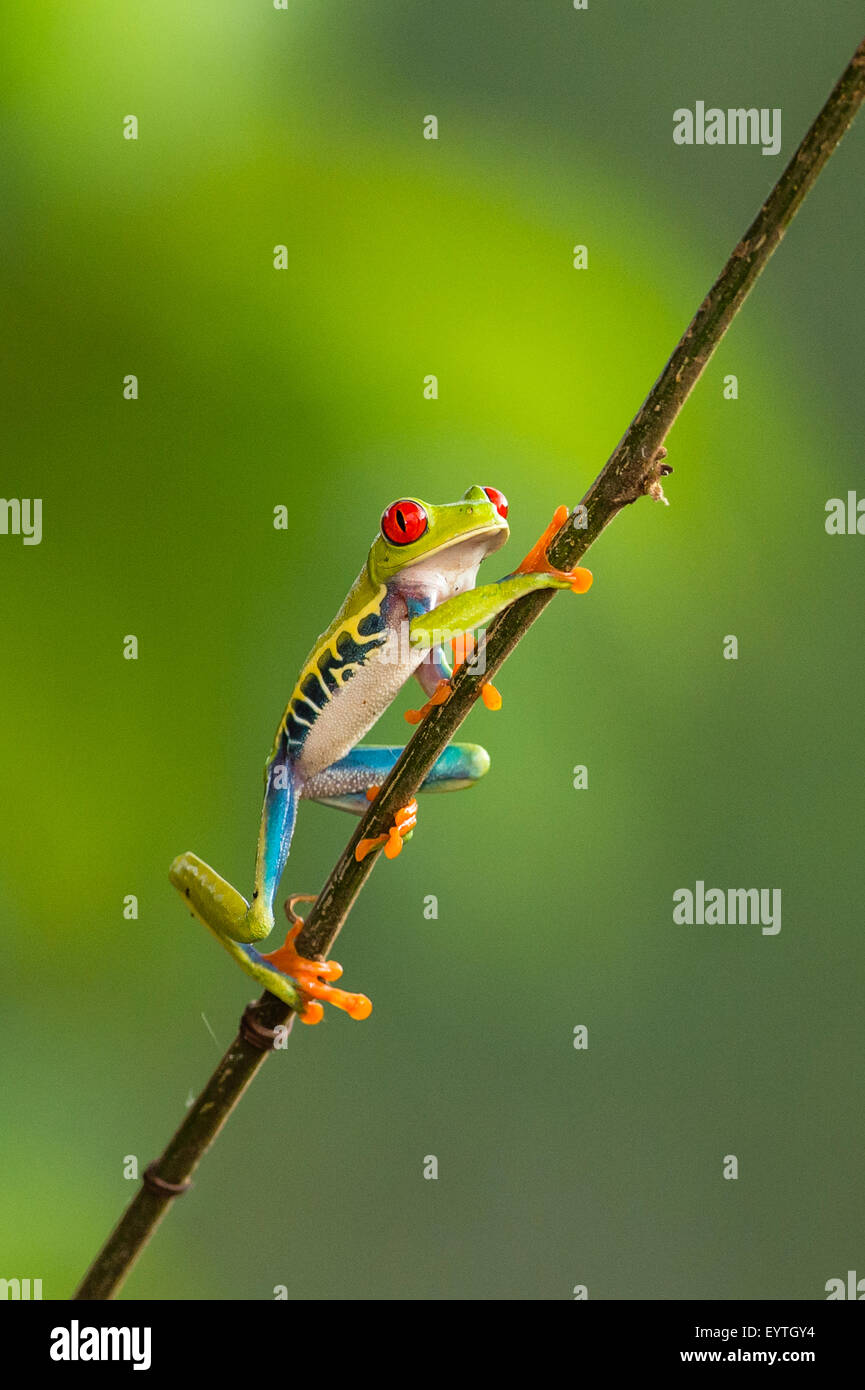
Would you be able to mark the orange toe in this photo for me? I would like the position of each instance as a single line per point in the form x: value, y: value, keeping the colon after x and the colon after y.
x: 581, y: 579
x: 365, y: 847
x: 312, y: 1013
x: 536, y: 561
x: 393, y: 846
x: 438, y: 697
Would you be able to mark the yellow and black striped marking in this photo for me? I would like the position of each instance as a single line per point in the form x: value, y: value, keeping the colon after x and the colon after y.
x: 346, y: 646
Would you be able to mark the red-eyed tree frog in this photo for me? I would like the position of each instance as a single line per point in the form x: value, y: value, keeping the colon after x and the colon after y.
x: 415, y: 593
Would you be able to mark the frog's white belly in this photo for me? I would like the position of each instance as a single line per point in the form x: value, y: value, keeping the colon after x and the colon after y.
x: 354, y: 708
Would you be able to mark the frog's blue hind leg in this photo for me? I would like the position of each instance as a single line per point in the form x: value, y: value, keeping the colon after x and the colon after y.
x: 235, y: 922
x: 345, y: 783
x: 274, y: 839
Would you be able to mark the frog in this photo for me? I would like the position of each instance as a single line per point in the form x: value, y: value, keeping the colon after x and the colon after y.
x: 414, y: 602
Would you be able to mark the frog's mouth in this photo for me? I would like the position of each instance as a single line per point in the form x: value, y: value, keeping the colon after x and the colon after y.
x: 453, y: 568
x: 484, y: 541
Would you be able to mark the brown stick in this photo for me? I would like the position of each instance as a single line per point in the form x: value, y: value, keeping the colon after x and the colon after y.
x: 634, y: 470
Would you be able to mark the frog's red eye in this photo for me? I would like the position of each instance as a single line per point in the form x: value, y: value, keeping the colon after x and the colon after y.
x: 499, y: 501
x: 404, y: 522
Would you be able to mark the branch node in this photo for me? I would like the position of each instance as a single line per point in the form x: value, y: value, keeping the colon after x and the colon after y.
x: 648, y: 484
x: 253, y: 1031
x: 658, y: 470
x: 155, y: 1183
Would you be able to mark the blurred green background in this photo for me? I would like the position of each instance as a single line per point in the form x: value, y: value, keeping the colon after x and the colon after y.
x: 304, y: 388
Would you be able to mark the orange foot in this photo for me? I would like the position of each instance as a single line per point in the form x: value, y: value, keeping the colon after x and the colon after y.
x: 438, y: 697
x: 490, y: 696
x: 536, y: 561
x: 312, y: 977
x: 404, y: 822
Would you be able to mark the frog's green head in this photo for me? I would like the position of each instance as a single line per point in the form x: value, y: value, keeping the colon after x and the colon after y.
x: 415, y: 533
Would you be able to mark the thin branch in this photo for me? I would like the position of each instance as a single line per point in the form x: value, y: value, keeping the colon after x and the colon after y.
x: 633, y: 471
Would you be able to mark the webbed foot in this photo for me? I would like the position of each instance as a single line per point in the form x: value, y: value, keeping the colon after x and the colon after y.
x: 438, y: 697
x: 404, y: 822
x: 536, y: 562
x: 490, y: 696
x: 312, y: 979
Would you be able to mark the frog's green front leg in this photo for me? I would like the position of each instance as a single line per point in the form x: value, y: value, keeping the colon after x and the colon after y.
x: 477, y: 607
